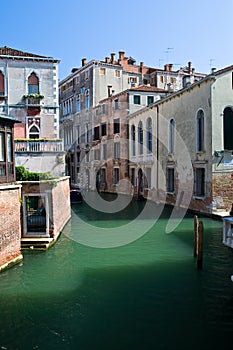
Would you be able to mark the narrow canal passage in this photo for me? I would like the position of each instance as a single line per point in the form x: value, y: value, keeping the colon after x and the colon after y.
x: 143, y: 295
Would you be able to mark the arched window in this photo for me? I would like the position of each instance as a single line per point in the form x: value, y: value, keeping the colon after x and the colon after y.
x: 200, y: 131
x: 149, y: 135
x: 133, y: 139
x: 2, y: 84
x: 228, y: 128
x: 33, y: 84
x: 34, y: 132
x: 140, y: 138
x: 171, y: 139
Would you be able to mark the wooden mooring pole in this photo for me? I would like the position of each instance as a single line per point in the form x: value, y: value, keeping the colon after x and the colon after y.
x: 198, y: 241
x: 195, y: 235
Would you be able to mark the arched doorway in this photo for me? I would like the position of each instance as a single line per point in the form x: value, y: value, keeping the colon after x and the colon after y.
x: 228, y: 128
x: 140, y: 185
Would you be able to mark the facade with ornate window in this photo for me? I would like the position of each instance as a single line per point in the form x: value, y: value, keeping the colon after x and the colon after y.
x: 29, y: 92
x: 191, y: 159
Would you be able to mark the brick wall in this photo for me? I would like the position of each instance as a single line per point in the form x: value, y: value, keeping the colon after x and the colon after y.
x: 223, y: 189
x: 10, y: 251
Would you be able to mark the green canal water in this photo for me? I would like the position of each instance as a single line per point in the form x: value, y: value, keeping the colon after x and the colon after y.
x: 143, y: 295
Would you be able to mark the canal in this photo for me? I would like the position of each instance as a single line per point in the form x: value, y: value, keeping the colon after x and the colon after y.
x: 143, y: 294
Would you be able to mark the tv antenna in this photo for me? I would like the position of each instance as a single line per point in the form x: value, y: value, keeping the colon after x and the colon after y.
x: 168, y: 50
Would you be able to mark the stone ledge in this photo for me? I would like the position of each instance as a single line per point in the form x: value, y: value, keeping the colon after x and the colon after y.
x: 12, y: 262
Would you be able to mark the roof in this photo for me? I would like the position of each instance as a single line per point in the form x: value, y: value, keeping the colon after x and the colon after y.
x: 141, y: 88
x: 10, y: 52
x: 147, y: 88
x: 9, y: 118
x: 180, y: 92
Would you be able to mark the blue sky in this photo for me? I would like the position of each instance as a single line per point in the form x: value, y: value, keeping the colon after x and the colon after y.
x: 152, y: 31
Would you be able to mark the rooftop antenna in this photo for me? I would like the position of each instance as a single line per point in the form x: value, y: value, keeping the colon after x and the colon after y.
x: 168, y: 51
x: 160, y: 60
x: 211, y: 63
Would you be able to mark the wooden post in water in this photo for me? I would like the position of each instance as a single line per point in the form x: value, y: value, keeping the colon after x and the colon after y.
x: 195, y: 235
x: 200, y: 245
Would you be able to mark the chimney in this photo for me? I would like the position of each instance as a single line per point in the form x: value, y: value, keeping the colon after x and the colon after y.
x: 84, y: 61
x: 121, y: 55
x: 109, y: 90
x: 213, y: 70
x: 170, y: 67
x: 166, y: 68
x: 190, y: 67
x: 112, y: 57
x: 141, y: 66
x: 107, y: 60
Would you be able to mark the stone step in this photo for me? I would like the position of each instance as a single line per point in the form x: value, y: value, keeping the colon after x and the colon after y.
x: 36, y: 243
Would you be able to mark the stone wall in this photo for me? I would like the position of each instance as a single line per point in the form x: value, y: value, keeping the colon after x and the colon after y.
x: 61, y: 210
x: 10, y: 233
x: 57, y: 193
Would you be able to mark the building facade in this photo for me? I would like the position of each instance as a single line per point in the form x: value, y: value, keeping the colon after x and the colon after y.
x: 81, y: 92
x: 29, y: 92
x: 187, y: 161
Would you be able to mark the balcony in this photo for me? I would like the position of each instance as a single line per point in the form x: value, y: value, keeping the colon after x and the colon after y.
x: 39, y: 146
x: 33, y: 100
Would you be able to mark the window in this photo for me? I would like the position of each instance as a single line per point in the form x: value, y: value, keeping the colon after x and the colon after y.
x: 87, y: 133
x: 171, y: 139
x: 137, y: 99
x: 97, y: 154
x: 2, y: 84
x: 96, y: 133
x: 102, y: 71
x: 9, y: 148
x: 116, y: 103
x: 34, y: 132
x: 117, y: 73
x: 133, y: 178
x: 78, y: 105
x: 173, y: 80
x: 103, y: 129
x: 150, y: 99
x: 82, y: 90
x: 87, y: 100
x: 116, y: 150
x: 133, y: 139
x: 33, y: 84
x: 161, y: 79
x: 132, y: 81
x: 116, y: 126
x: 104, y: 151
x: 103, y: 175
x: 6, y: 154
x: 149, y: 135
x: 140, y: 138
x: 147, y: 178
x: 227, y: 128
x: 199, y: 182
x: 116, y: 176
x: 170, y: 180
x: 103, y: 109
x: 2, y: 147
x: 200, y: 131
